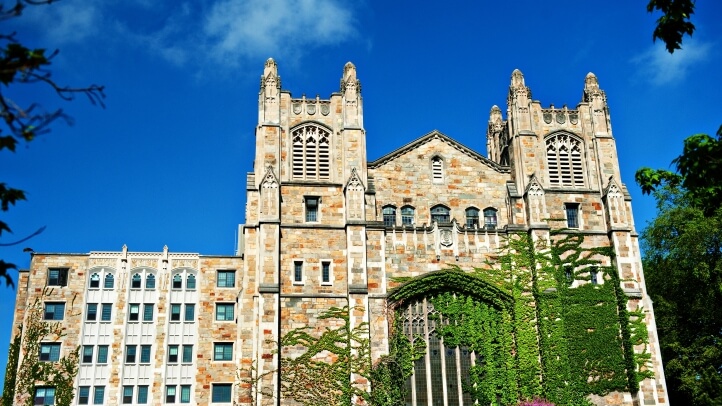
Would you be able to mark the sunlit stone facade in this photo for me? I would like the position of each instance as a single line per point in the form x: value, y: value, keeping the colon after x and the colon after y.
x: 325, y: 227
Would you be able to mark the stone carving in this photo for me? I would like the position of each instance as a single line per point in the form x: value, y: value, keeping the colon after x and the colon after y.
x: 297, y: 108
x: 269, y: 179
x: 561, y: 117
x: 101, y: 262
x: 547, y: 116
x: 354, y: 182
x: 325, y: 109
x: 311, y: 109
x: 445, y: 236
x: 573, y: 117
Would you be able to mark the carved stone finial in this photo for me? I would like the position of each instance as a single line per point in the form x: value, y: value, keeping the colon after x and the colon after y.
x: 270, y: 66
x: 591, y: 82
x: 495, y: 114
x: 270, y: 78
x: 350, y: 85
x: 349, y: 69
x: 517, y: 79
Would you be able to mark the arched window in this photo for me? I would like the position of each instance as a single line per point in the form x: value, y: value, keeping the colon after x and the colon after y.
x: 311, y: 146
x: 191, y: 282
x: 95, y: 280
x: 440, y: 214
x: 490, y: 221
x: 135, y: 281
x: 150, y: 281
x: 437, y: 169
x: 472, y: 217
x: 109, y: 281
x: 177, y: 281
x: 407, y: 215
x: 389, y: 213
x: 564, y: 160
x: 440, y: 363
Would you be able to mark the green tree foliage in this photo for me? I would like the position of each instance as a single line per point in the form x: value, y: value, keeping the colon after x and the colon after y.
x: 698, y: 173
x: 22, y: 65
x: 683, y: 267
x: 674, y: 22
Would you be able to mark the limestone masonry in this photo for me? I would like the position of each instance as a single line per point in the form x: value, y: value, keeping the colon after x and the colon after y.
x: 325, y: 227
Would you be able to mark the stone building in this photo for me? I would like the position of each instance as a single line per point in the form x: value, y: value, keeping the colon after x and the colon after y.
x: 327, y: 228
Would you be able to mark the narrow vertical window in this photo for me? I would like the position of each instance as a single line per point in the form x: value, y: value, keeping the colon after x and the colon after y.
x: 143, y: 394
x: 593, y: 273
x: 99, y: 395
x: 145, y: 354
x: 130, y: 352
x: 472, y: 217
x: 87, y: 354
x: 185, y: 396
x: 177, y: 281
x: 190, y: 313
x: 298, y: 272
x: 490, y: 220
x: 127, y: 394
x: 83, y: 395
x: 102, y: 357
x: 325, y: 272
x: 187, y: 354
x: 572, y: 211
x: 135, y: 281
x: 133, y: 311
x: 191, y: 282
x: 389, y: 213
x: 148, y: 312
x: 437, y: 169
x: 109, y: 281
x: 175, y: 312
x: 105, y: 311
x: 92, y: 312
x: 311, y: 208
x: 170, y: 394
x: 310, y: 153
x: 94, y: 281
x: 150, y: 281
x: 172, y: 354
x: 568, y: 276
x: 407, y: 215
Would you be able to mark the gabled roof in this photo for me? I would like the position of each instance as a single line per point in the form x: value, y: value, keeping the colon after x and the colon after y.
x: 437, y: 135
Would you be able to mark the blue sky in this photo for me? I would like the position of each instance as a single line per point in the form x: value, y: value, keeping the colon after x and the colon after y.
x: 165, y: 162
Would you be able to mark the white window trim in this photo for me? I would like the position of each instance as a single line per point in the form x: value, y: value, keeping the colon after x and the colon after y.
x: 303, y: 273
x: 330, y: 272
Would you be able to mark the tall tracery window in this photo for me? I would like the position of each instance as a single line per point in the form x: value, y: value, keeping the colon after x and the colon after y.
x: 439, y: 375
x: 311, y: 148
x: 564, y: 160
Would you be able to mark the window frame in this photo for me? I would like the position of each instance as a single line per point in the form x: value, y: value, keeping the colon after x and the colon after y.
x: 127, y: 398
x: 572, y: 213
x: 55, y: 312
x: 175, y: 312
x: 225, y: 356
x: 226, y: 387
x: 471, y: 219
x: 61, y: 279
x: 103, y: 307
x: 177, y: 281
x: 185, y: 394
x: 489, y: 214
x: 187, y: 356
x: 326, y: 272
x: 311, y: 209
x: 98, y: 395
x: 434, y: 216
x: 388, y: 215
x: 436, y: 164
x: 170, y: 397
x: 53, y: 351
x: 45, y: 390
x: 86, y: 356
x: 83, y: 395
x: 406, y: 218
x: 173, y: 353
x: 226, y: 273
x: 133, y: 312
x: 189, y: 315
x: 131, y: 354
x: 94, y: 281
x: 145, y: 353
x: 91, y: 312
x: 565, y: 170
x: 225, y: 306
x: 298, y: 274
x: 142, y: 396
x: 101, y: 356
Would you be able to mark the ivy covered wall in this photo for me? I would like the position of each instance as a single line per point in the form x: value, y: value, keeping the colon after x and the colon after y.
x: 546, y: 319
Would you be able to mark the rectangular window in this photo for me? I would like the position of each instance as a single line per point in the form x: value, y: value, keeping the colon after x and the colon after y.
x: 223, y: 352
x: 127, y: 394
x: 102, y: 354
x: 145, y: 354
x: 49, y: 352
x: 175, y: 310
x: 130, y: 351
x: 224, y: 311
x: 106, y: 309
x: 298, y: 272
x: 91, y: 313
x: 57, y: 277
x: 148, y: 312
x: 172, y: 354
x: 325, y: 272
x: 311, y: 208
x: 87, y: 354
x: 187, y: 354
x: 54, y: 311
x: 593, y: 275
x: 133, y: 311
x: 143, y: 394
x: 221, y: 393
x: 226, y: 279
x: 98, y: 395
x: 572, y: 210
x: 44, y: 396
x: 83, y: 395
x: 190, y: 312
x: 170, y: 394
x: 185, y: 394
x: 407, y: 216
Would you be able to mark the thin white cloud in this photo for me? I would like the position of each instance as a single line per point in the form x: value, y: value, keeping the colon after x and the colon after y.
x: 65, y: 22
x: 236, y: 30
x: 661, y: 68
